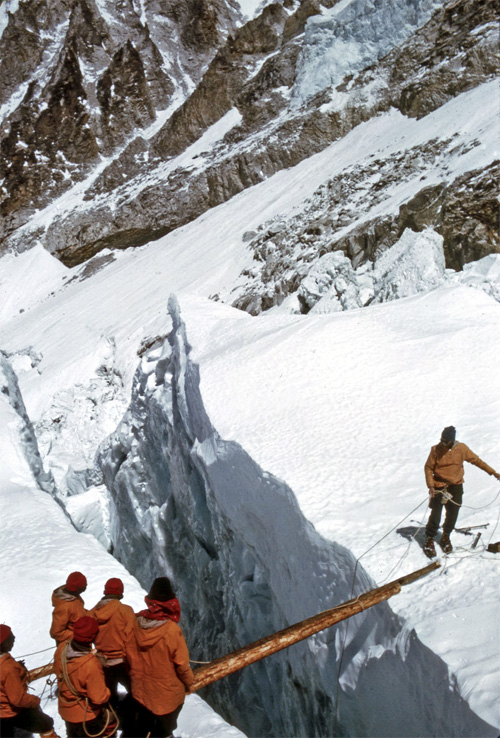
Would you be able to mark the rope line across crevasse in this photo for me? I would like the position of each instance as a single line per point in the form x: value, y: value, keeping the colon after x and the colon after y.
x: 396, y: 566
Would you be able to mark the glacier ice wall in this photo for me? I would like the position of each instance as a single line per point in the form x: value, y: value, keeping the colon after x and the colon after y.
x: 245, y: 563
x: 352, y: 35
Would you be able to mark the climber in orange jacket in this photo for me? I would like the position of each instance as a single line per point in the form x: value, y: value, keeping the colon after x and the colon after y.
x: 82, y: 692
x: 18, y: 709
x: 68, y: 606
x: 116, y: 623
x: 160, y: 674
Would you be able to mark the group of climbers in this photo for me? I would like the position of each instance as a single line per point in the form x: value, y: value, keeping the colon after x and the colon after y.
x: 145, y: 653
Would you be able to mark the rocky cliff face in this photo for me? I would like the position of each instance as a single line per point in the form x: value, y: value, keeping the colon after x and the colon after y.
x: 83, y: 105
x: 78, y: 78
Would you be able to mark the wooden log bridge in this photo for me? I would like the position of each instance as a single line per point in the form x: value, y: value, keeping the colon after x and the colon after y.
x: 222, y: 667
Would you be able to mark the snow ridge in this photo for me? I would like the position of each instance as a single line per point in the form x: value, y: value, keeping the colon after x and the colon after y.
x: 10, y: 390
x: 245, y: 563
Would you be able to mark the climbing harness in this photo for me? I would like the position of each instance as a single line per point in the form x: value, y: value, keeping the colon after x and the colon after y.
x: 447, y: 497
x: 110, y: 713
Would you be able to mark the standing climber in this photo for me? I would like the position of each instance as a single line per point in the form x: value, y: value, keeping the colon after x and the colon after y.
x: 160, y: 674
x: 68, y: 606
x: 116, y: 622
x: 82, y: 692
x: 18, y: 709
x: 444, y: 476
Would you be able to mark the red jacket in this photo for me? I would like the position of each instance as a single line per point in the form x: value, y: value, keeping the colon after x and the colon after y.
x: 14, y: 695
x: 159, y: 665
x: 67, y: 609
x: 116, y: 623
x: 87, y: 677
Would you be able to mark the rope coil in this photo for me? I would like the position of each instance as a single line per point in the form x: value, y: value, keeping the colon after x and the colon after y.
x: 108, y: 708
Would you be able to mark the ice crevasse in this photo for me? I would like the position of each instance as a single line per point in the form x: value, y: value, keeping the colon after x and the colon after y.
x: 246, y: 563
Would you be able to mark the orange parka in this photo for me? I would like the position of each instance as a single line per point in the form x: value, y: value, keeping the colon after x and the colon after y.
x: 14, y: 695
x: 67, y: 609
x: 116, y: 623
x: 87, y: 677
x: 160, y: 674
x: 446, y: 466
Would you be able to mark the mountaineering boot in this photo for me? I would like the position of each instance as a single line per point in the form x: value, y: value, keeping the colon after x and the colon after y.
x: 429, y: 549
x: 445, y: 543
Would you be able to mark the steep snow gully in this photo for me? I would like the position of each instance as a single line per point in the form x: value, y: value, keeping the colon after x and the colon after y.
x: 246, y: 563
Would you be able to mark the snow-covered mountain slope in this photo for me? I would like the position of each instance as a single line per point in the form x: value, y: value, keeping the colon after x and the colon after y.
x: 112, y: 163
x: 249, y: 563
x: 353, y: 399
x: 328, y: 168
x: 39, y: 546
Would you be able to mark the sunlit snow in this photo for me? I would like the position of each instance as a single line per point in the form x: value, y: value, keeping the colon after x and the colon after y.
x: 342, y: 406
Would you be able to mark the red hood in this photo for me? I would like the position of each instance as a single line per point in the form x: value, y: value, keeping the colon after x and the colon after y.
x: 168, y: 610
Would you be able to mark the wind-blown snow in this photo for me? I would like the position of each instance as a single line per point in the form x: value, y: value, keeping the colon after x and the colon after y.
x: 14, y: 276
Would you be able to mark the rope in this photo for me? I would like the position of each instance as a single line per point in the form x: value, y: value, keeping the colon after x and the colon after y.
x: 33, y: 653
x: 483, y: 507
x: 109, y: 709
x: 347, y: 622
x: 395, y: 567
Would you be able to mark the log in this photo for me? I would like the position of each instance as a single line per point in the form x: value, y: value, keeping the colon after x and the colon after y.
x: 222, y: 667
x: 41, y: 671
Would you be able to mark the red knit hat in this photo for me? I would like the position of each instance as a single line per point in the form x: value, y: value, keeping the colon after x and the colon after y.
x: 85, y: 629
x: 76, y: 582
x: 5, y: 632
x: 113, y: 586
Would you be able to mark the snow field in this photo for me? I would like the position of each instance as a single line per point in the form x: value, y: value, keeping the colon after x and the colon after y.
x: 39, y: 547
x: 343, y: 407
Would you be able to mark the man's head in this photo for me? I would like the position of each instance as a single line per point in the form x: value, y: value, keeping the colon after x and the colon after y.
x: 85, y: 630
x: 7, y: 638
x: 448, y: 436
x: 161, y: 590
x: 76, y: 583
x: 114, y: 588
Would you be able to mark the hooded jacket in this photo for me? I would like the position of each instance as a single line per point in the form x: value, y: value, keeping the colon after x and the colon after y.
x: 14, y: 695
x: 87, y: 677
x: 159, y: 665
x: 67, y: 609
x: 116, y: 623
x: 446, y: 466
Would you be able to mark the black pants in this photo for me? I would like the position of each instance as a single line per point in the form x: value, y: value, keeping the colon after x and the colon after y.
x: 452, y: 509
x: 31, y: 719
x: 141, y: 722
x: 113, y: 676
x: 76, y: 730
